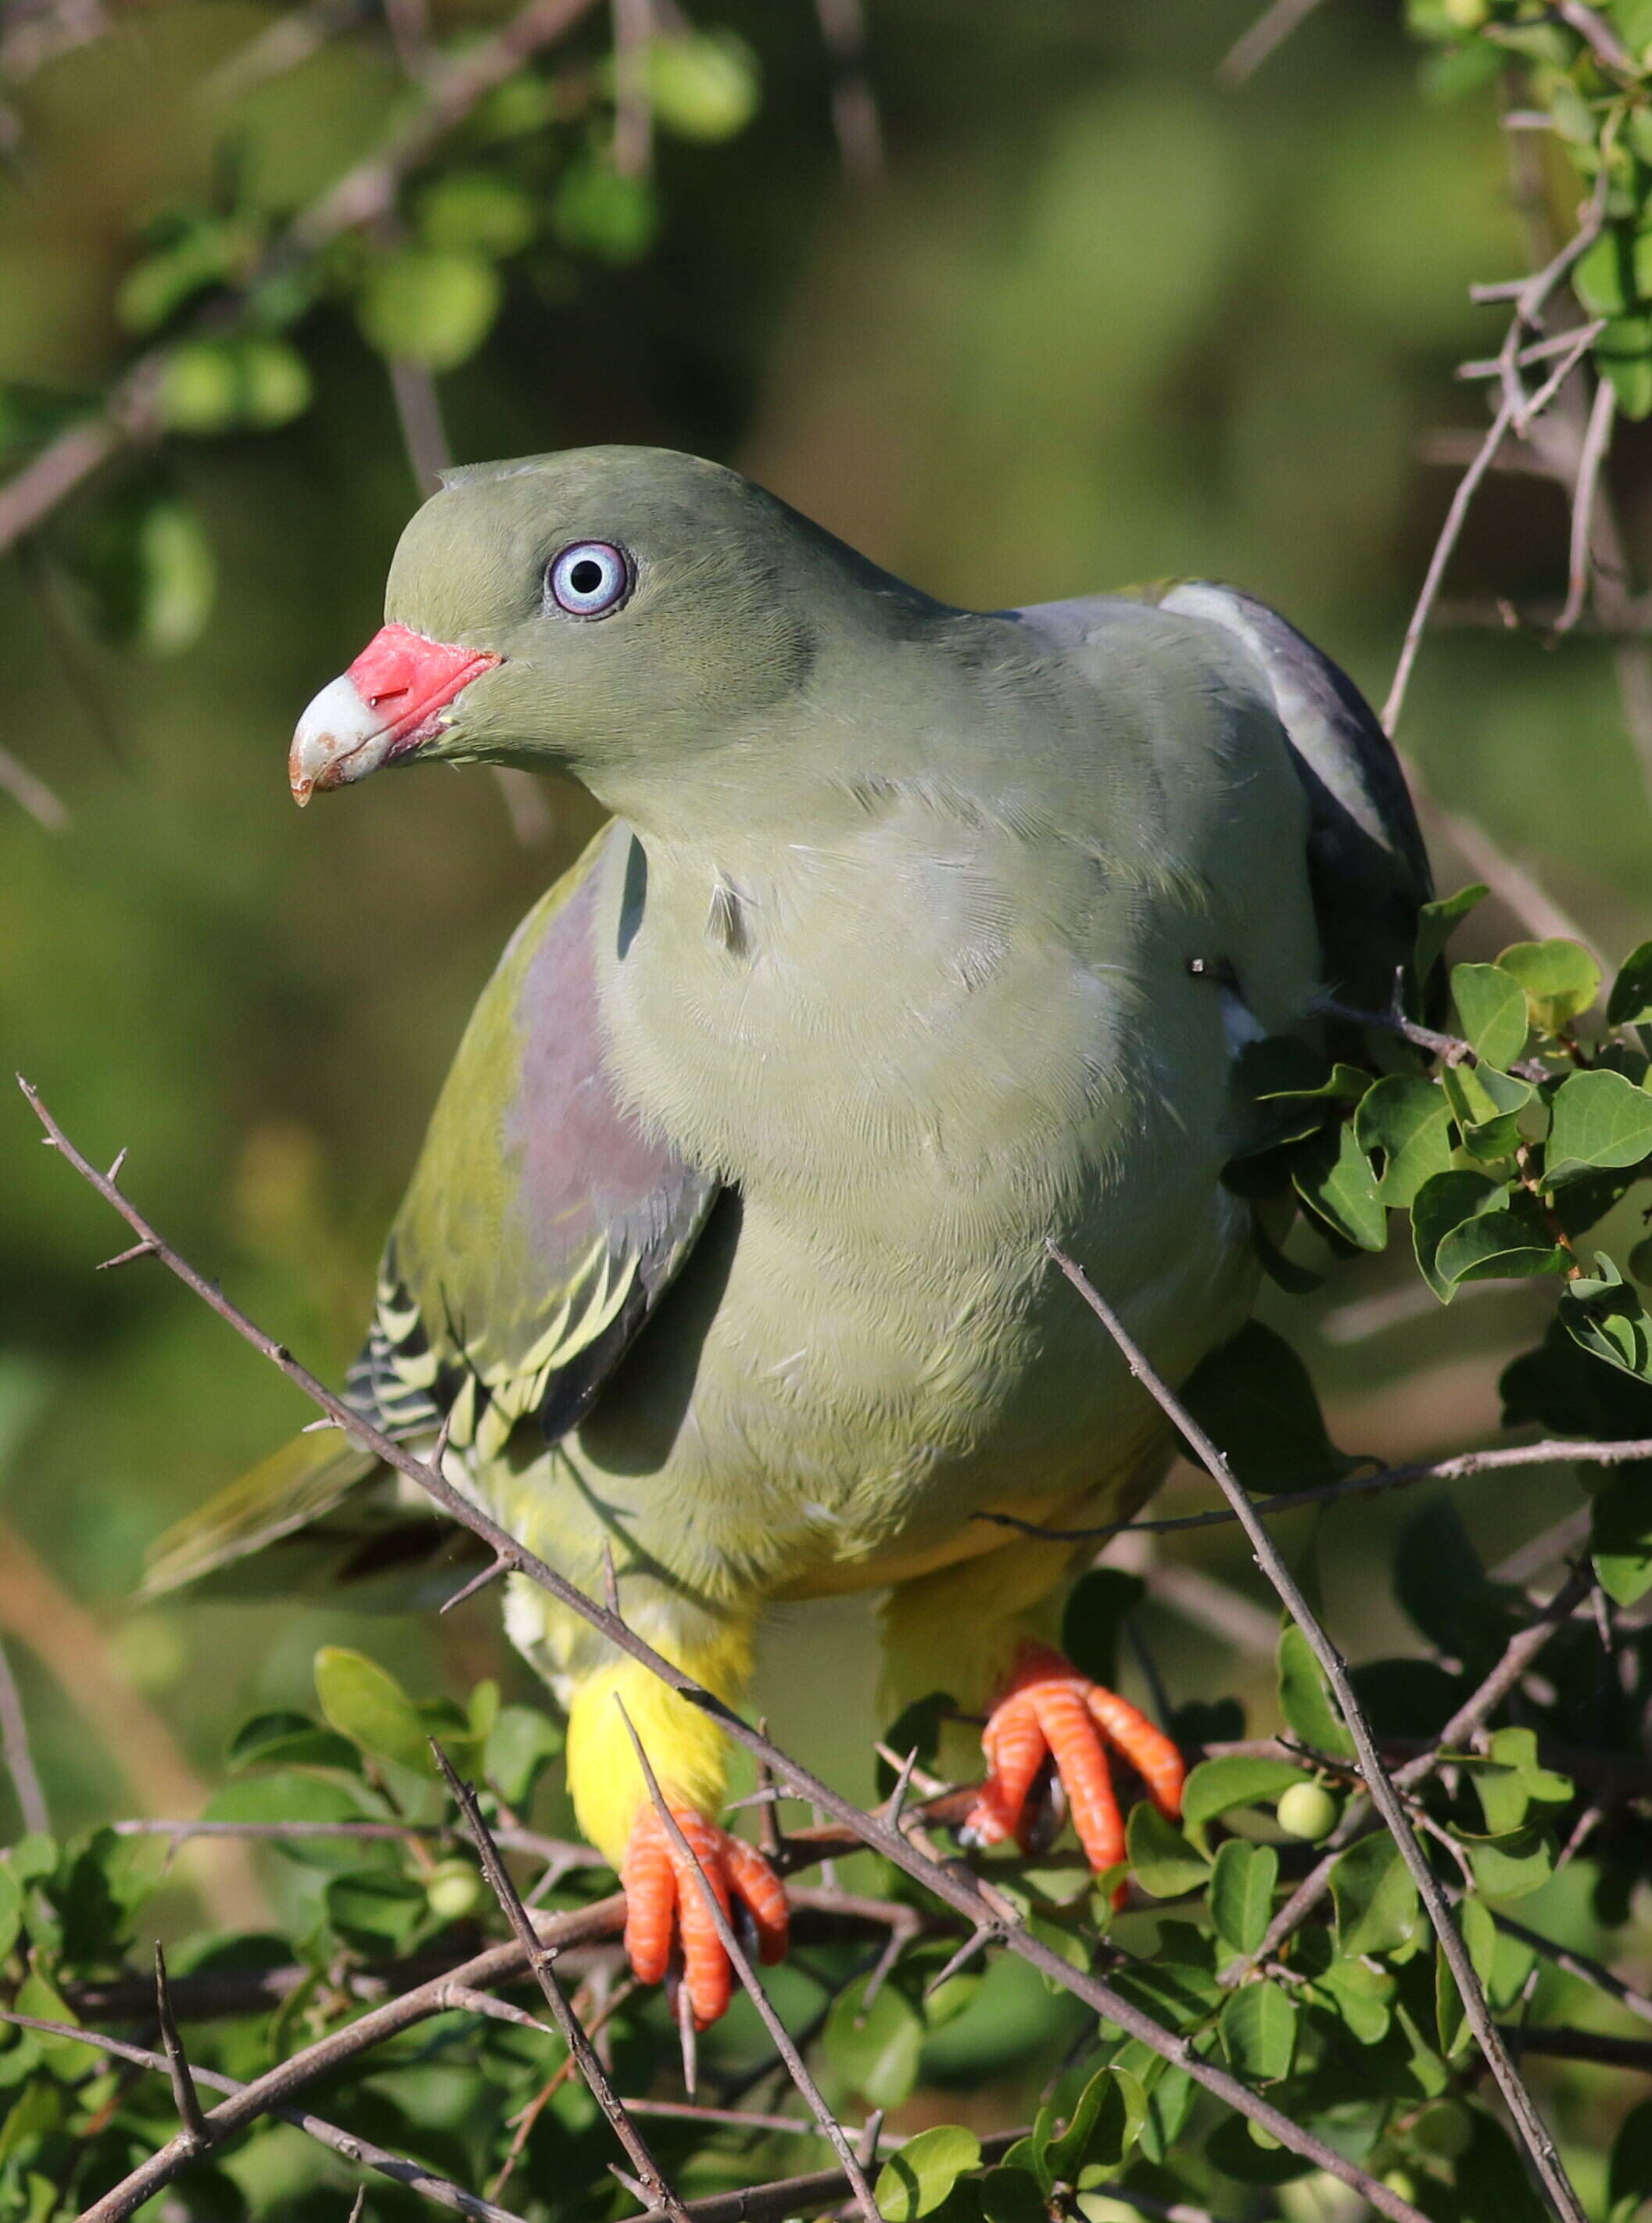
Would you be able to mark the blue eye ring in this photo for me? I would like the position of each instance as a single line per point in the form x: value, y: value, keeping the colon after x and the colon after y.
x: 589, y: 579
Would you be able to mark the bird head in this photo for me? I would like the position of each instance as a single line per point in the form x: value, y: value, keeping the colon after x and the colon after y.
x: 610, y: 612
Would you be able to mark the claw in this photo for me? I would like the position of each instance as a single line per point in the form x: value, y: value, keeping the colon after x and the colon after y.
x: 666, y: 1905
x: 1052, y: 1711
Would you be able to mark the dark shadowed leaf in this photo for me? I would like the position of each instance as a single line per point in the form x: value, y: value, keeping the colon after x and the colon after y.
x: 875, y: 2048
x: 1256, y: 1402
x: 1093, y: 1617
x: 1376, y: 1901
x: 1620, y: 1534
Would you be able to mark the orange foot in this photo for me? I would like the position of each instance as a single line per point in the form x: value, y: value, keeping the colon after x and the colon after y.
x: 1049, y: 1708
x: 665, y: 1905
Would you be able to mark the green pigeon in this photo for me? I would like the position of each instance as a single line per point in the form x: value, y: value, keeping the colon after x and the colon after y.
x: 920, y: 940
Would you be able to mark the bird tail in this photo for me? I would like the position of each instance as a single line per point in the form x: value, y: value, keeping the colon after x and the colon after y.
x: 323, y: 1513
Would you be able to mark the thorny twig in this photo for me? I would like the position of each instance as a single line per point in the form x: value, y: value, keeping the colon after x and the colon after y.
x: 956, y: 1889
x: 1534, y: 2133
x: 780, y: 2037
x: 540, y: 1959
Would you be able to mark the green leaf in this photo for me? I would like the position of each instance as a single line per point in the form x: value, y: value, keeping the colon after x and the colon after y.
x: 1509, y: 1777
x: 1256, y: 1400
x: 1408, y: 1119
x: 1492, y: 1008
x: 1607, y: 1319
x: 38, y: 1996
x: 1560, y: 978
x: 11, y: 1911
x: 1491, y: 2182
x: 1305, y: 1700
x: 1603, y: 277
x: 1630, y: 1001
x: 429, y: 307
x: 1499, y: 1246
x: 291, y: 1797
x: 1443, y: 1202
x: 1258, y: 2024
x: 1511, y: 1865
x: 1092, y: 1619
x: 1332, y: 1176
x: 1216, y: 1787
x: 1376, y: 1901
x: 1486, y: 1105
x: 875, y: 2049
x: 1479, y: 1936
x: 366, y: 1703
x: 1620, y: 1534
x: 520, y: 1744
x: 288, y: 1739
x: 1628, y: 2180
x: 916, y: 2180
x: 1009, y: 2195
x: 1597, y: 1119
x: 1231, y: 2148
x: 1241, y: 1892
x: 376, y: 1912
x: 1436, y: 921
x: 1161, y: 1859
x: 1105, y: 2123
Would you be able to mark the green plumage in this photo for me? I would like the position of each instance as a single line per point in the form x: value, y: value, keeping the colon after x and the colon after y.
x: 922, y: 938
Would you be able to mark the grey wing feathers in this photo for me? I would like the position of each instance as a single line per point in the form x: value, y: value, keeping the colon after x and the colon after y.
x: 1367, y: 867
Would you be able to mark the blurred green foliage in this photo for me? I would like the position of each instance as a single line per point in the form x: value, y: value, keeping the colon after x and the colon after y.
x: 1100, y: 320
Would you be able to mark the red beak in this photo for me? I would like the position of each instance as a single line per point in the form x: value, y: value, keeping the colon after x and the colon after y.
x: 389, y: 700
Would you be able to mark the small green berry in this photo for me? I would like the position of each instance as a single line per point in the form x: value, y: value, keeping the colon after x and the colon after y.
x: 1308, y: 1811
x: 454, y: 1889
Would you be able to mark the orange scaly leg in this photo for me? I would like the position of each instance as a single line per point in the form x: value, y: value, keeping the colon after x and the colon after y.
x: 1049, y: 1708
x: 665, y: 1905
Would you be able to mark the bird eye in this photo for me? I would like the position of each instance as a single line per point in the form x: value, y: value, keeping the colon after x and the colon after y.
x: 589, y: 579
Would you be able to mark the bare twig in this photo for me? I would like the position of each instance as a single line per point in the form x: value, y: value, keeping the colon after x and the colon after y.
x: 656, y: 2191
x: 1596, y: 441
x: 953, y: 1887
x: 1467, y: 486
x: 14, y: 1752
x: 1270, y: 30
x: 1494, y: 1459
x: 854, y: 110
x: 418, y: 413
x: 411, y: 2176
x: 30, y: 790
x: 1534, y: 2133
x: 195, y: 2129
x: 1579, y: 1965
x: 781, y: 2037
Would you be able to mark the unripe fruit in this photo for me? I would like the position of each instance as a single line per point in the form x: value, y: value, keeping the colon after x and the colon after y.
x: 454, y: 1889
x: 1309, y: 1811
x: 1401, y: 2183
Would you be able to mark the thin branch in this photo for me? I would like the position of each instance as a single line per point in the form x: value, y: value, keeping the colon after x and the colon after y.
x: 411, y: 2176
x: 30, y: 792
x: 1579, y: 1965
x: 781, y: 2038
x: 1252, y: 49
x: 657, y: 2191
x: 955, y: 1887
x: 14, y: 1752
x: 418, y: 413
x: 195, y: 2129
x: 1596, y: 441
x: 561, y: 1852
x: 1467, y: 486
x: 1534, y: 2133
x: 854, y: 108
x: 1494, y: 1459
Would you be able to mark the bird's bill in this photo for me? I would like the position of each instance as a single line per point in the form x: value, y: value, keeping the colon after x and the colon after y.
x: 388, y: 702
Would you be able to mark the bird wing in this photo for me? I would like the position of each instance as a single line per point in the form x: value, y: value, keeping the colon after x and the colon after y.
x: 543, y: 1224
x: 544, y: 1220
x: 1367, y: 868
